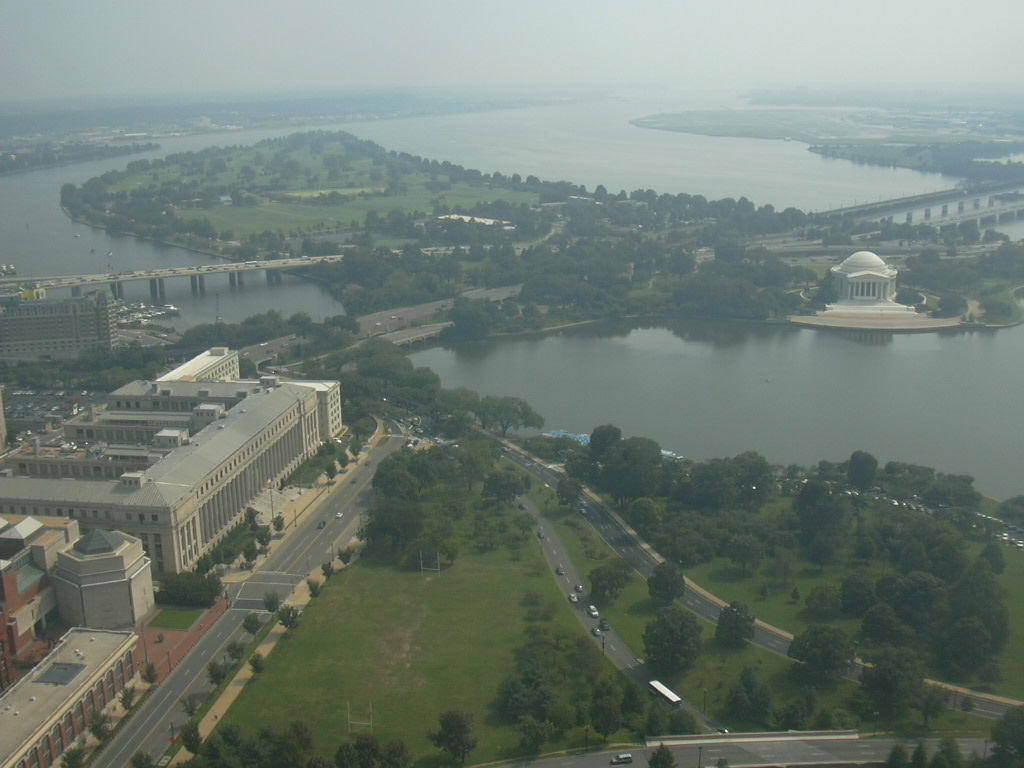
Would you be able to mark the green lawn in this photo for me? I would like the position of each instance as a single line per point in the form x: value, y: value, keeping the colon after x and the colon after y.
x: 410, y: 646
x: 176, y: 618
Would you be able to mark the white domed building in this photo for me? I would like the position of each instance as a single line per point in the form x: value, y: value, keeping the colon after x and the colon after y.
x: 865, y: 283
x: 866, y: 300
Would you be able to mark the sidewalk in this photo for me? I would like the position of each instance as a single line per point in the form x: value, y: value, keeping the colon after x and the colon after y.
x: 300, y: 597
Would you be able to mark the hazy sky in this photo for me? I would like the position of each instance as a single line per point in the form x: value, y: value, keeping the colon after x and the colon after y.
x: 61, y: 48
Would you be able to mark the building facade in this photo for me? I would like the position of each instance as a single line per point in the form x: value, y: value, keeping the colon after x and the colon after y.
x: 865, y: 283
x: 214, y: 447
x: 104, y: 581
x: 50, y: 709
x: 53, y: 329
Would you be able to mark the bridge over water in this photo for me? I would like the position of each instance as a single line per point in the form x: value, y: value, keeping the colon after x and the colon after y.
x: 197, y: 275
x: 943, y: 208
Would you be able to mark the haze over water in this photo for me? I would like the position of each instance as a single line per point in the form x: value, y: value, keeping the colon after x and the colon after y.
x: 701, y: 389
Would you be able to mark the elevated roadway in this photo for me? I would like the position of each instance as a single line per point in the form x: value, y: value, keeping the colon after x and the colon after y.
x: 156, y: 277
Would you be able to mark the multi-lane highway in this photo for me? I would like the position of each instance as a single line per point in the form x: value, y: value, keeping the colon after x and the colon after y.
x: 292, y: 559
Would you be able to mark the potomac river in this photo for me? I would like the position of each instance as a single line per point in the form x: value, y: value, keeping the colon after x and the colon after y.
x: 946, y: 400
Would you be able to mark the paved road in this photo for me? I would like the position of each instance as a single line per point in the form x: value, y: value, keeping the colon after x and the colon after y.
x: 289, y: 563
x: 642, y: 559
x: 761, y: 750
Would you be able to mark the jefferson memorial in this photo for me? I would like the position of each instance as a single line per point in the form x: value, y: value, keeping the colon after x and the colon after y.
x: 865, y: 299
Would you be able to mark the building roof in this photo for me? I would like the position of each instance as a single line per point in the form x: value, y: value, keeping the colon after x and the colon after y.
x: 99, y: 542
x: 865, y: 262
x: 22, y: 530
x: 175, y: 476
x: 58, y: 680
x: 198, y: 366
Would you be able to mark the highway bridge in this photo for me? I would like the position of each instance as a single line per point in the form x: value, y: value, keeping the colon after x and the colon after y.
x: 196, y: 274
x: 944, y: 208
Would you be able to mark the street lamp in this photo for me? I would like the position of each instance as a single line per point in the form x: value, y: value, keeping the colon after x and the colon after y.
x: 704, y: 706
x: 700, y: 755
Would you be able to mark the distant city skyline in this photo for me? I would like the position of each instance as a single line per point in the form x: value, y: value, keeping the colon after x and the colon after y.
x: 64, y: 50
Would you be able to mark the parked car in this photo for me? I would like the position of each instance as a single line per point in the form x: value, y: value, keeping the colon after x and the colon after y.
x: 622, y: 759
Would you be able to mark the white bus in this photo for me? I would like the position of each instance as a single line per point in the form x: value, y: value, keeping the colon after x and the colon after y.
x: 665, y: 693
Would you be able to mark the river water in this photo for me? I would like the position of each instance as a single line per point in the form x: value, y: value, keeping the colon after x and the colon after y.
x: 701, y: 389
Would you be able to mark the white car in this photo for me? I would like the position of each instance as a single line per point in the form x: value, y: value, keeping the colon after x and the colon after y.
x: 592, y: 611
x: 573, y: 598
x: 339, y: 515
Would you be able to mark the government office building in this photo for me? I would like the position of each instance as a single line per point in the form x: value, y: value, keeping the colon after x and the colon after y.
x: 176, y: 462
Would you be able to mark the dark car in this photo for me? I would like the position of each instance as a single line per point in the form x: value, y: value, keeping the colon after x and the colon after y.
x: 603, y: 624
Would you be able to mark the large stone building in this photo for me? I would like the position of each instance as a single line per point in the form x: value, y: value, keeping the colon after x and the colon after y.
x: 53, y: 329
x: 48, y: 576
x: 174, y: 463
x: 51, y: 708
x: 865, y: 289
x: 104, y: 581
x: 865, y: 283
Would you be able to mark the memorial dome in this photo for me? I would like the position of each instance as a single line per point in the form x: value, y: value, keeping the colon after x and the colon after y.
x: 861, y: 261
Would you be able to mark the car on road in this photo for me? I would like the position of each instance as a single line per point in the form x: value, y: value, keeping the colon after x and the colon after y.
x: 595, y: 632
x: 560, y: 571
x: 622, y: 759
x: 578, y: 588
x: 603, y: 624
x: 592, y: 612
x: 321, y: 524
x: 573, y: 598
x: 339, y: 515
x: 540, y: 534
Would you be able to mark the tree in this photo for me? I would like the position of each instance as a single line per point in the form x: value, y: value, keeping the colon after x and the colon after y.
x: 73, y: 757
x: 251, y: 623
x: 632, y: 468
x: 149, y: 673
x: 278, y: 523
x: 142, y: 760
x: 395, y: 754
x: 455, y: 735
x: 236, y: 650
x: 746, y: 552
x: 858, y: 594
x: 893, y: 681
x: 603, y: 438
x: 882, y: 626
x: 825, y: 652
x: 860, y: 470
x: 672, y: 641
x: 505, y: 486
x: 271, y: 601
x: 569, y: 490
x: 190, y: 737
x: 606, y: 715
x: 327, y: 569
x: 661, y: 758
x: 190, y: 703
x: 533, y: 733
x: 993, y: 552
x: 314, y: 587
x: 607, y: 581
x: 288, y: 615
x: 666, y: 582
x: 735, y: 626
x: 508, y: 413
x: 1008, y: 735
x: 932, y: 703
x: 127, y: 696
x: 898, y: 757
x: 216, y: 672
x: 824, y: 601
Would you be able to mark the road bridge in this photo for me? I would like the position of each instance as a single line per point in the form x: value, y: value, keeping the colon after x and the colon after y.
x: 943, y: 208
x: 196, y: 274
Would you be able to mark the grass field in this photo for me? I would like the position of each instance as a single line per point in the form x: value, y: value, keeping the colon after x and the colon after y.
x: 708, y: 683
x: 295, y: 216
x: 176, y: 618
x: 408, y: 645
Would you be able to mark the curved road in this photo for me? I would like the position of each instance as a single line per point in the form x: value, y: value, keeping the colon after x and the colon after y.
x: 642, y: 558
